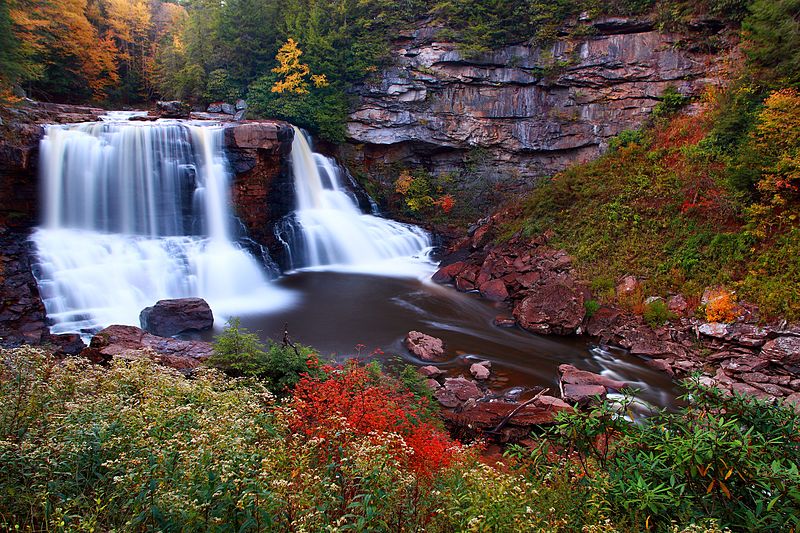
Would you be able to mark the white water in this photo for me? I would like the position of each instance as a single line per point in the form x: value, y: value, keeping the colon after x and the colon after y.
x: 134, y: 213
x: 333, y: 234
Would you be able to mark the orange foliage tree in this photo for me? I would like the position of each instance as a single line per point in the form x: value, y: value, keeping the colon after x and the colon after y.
x: 294, y: 75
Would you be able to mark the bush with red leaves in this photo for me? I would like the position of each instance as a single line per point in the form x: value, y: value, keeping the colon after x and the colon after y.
x: 354, y: 402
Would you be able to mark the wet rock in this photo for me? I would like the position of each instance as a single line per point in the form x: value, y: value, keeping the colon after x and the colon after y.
x: 480, y: 370
x: 743, y: 389
x: 785, y: 350
x: 447, y: 273
x: 424, y: 346
x: 172, y: 317
x: 573, y: 376
x: 552, y: 403
x: 494, y: 290
x: 552, y: 308
x: 660, y: 364
x: 456, y: 391
x: 433, y: 384
x: 582, y: 394
x: 173, y: 109
x: 130, y: 342
x: 430, y: 371
x: 603, y: 321
x: 271, y: 135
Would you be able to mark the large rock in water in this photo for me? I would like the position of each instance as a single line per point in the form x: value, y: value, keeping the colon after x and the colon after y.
x: 171, y: 317
x: 130, y: 342
x: 424, y: 346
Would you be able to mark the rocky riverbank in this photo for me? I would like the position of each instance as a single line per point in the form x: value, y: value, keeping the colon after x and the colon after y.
x: 545, y: 295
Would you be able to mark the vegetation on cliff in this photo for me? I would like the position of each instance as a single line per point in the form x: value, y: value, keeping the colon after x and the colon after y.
x: 136, y: 446
x: 697, y: 200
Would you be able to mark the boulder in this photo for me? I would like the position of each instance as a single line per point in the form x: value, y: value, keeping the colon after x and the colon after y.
x: 424, y: 346
x: 241, y: 105
x: 130, y: 342
x: 228, y: 109
x: 446, y: 274
x: 494, y: 290
x: 572, y: 376
x: 239, y: 116
x: 456, y: 391
x: 430, y: 371
x: 582, y: 394
x: 172, y: 317
x: 552, y: 308
x: 481, y: 370
x: 717, y: 330
x: 173, y: 109
x: 66, y: 344
x: 214, y: 107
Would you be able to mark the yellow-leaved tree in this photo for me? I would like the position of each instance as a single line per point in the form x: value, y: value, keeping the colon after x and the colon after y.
x: 294, y: 75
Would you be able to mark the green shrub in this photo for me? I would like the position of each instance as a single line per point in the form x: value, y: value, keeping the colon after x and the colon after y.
x: 656, y: 313
x: 731, y: 458
x: 239, y: 353
x: 591, y: 307
x: 671, y: 102
x: 625, y: 138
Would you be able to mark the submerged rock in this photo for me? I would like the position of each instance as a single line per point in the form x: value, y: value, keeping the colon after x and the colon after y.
x: 481, y: 370
x: 172, y: 317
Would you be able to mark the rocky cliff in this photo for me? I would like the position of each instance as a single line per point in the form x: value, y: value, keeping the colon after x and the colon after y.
x: 531, y: 110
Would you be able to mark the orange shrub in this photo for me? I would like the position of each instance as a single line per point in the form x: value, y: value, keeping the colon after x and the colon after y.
x: 721, y: 306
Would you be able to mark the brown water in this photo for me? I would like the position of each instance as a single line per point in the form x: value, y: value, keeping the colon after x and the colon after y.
x: 335, y: 312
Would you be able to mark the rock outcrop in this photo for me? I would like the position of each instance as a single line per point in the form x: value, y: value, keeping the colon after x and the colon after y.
x: 530, y: 110
x: 130, y: 342
x: 262, y: 191
x: 172, y: 317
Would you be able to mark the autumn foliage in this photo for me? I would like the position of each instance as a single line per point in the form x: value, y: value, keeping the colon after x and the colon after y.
x: 294, y: 74
x: 721, y: 306
x: 351, y: 403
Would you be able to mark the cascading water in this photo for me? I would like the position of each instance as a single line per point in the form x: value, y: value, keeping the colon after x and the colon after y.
x: 134, y: 213
x: 327, y: 230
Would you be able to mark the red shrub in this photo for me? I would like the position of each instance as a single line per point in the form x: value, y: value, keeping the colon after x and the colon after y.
x: 351, y: 404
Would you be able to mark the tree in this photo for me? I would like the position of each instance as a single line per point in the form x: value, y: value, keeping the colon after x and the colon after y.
x: 773, y: 32
x: 293, y: 75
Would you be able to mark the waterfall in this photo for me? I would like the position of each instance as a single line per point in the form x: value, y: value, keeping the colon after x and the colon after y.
x: 134, y: 212
x: 327, y: 229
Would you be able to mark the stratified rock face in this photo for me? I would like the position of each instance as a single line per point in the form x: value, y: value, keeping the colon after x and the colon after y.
x: 533, y: 110
x: 171, y: 317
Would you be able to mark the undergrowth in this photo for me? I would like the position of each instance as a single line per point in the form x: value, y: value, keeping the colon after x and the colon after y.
x: 694, y: 201
x: 136, y: 446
